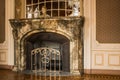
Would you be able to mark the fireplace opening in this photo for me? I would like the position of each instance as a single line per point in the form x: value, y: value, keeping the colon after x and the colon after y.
x: 47, y: 51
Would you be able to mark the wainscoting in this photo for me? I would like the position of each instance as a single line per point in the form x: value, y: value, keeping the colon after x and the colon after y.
x: 99, y: 57
x: 6, y: 67
x: 106, y: 59
x: 102, y: 71
x: 3, y: 57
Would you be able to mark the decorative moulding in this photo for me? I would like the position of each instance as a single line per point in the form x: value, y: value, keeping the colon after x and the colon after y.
x: 3, y: 45
x: 96, y: 45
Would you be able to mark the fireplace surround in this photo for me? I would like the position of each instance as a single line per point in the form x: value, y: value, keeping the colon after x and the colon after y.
x: 28, y: 33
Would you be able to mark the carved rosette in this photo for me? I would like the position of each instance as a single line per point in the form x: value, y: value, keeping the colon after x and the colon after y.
x: 70, y: 27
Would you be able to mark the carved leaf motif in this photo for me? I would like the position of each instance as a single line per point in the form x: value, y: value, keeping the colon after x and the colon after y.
x: 25, y: 29
x: 49, y: 24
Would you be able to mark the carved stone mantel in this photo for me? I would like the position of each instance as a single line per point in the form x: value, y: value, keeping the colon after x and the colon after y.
x: 69, y: 27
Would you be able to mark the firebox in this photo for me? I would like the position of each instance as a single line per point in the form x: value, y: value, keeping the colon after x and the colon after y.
x: 47, y: 51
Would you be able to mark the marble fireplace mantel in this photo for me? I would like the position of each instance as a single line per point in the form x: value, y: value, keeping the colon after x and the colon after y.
x: 68, y: 27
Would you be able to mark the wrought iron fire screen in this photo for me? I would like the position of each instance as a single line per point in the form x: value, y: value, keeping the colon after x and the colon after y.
x: 46, y: 59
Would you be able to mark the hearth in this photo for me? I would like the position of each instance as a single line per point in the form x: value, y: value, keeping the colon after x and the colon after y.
x: 53, y: 44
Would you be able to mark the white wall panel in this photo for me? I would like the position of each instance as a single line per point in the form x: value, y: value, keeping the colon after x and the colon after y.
x: 3, y: 57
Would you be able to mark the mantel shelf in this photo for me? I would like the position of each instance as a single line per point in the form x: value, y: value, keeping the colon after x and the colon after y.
x: 64, y: 20
x: 48, y: 18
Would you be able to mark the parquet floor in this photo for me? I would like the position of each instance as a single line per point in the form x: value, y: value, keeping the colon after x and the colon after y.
x: 10, y: 75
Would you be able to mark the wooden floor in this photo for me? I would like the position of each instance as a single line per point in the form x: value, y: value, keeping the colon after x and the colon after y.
x: 10, y: 75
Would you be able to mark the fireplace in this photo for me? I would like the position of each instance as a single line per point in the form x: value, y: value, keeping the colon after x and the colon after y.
x: 50, y: 35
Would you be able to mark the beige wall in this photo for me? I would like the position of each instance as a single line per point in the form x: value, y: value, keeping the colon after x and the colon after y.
x: 98, y: 56
x: 6, y: 47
